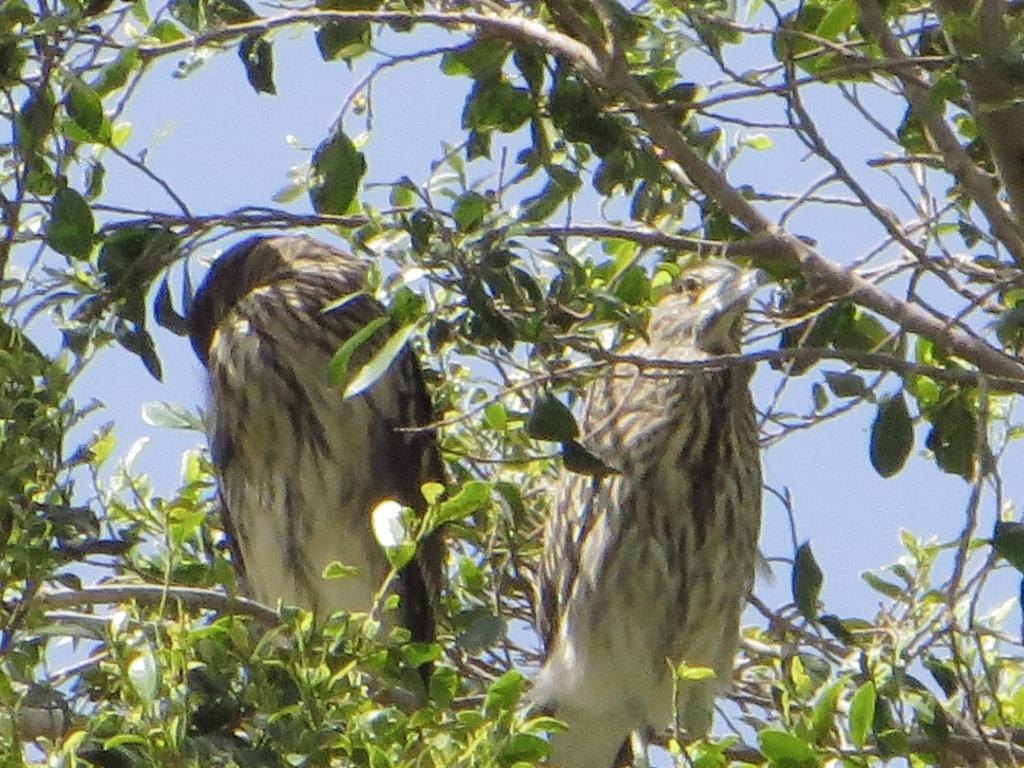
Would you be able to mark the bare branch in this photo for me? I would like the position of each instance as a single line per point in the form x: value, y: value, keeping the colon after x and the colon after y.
x: 150, y: 594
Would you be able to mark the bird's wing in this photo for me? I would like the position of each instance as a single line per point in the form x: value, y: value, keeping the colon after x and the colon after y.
x: 409, y: 456
x: 577, y: 507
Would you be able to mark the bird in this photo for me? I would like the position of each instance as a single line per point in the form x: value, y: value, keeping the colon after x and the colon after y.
x: 648, y: 563
x: 301, y: 468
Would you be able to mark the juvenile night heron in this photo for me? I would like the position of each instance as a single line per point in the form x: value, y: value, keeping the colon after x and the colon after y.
x: 651, y: 566
x: 300, y: 468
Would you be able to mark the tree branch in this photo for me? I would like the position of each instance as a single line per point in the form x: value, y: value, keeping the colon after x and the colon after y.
x: 825, y: 277
x: 955, y: 158
x: 984, y: 54
x: 149, y: 594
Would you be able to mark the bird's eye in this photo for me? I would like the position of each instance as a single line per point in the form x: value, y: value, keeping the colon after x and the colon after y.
x: 691, y: 286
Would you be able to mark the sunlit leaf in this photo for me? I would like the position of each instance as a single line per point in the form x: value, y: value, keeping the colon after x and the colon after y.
x: 472, y: 496
x: 381, y: 361
x: 171, y: 416
x: 337, y: 368
x: 784, y: 750
x: 503, y: 694
x: 862, y: 713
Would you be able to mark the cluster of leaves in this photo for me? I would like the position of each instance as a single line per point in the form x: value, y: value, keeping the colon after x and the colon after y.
x: 949, y: 409
x: 914, y: 689
x: 33, y: 507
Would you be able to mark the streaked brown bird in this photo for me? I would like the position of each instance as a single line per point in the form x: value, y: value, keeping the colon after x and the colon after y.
x: 651, y: 566
x: 300, y: 467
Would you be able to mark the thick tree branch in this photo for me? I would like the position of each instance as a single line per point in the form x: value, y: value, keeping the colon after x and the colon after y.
x: 955, y: 158
x: 868, y: 360
x: 149, y: 594
x: 825, y: 277
x: 984, y: 47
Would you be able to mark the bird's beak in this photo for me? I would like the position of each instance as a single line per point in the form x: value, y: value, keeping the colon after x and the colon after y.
x: 728, y: 300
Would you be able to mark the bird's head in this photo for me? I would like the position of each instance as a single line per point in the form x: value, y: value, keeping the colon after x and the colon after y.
x: 265, y: 261
x: 704, y: 306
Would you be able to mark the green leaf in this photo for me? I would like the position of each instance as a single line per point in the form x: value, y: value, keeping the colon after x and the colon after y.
x: 403, y: 194
x: 496, y: 417
x: 337, y: 570
x: 840, y: 17
x: 953, y: 437
x: 337, y: 369
x: 343, y: 39
x: 845, y: 384
x: 472, y: 496
x: 497, y: 105
x: 522, y: 748
x: 944, y: 674
x: 444, y: 684
x: 71, y: 226
x: 338, y: 166
x: 924, y: 389
x: 144, y: 675
x: 12, y: 60
x: 165, y: 31
x: 469, y: 211
x: 381, y: 361
x: 257, y: 56
x: 129, y: 259
x: 576, y: 110
x: 139, y: 342
x: 421, y: 227
x: 887, y: 588
x: 551, y: 420
x: 684, y: 671
x: 862, y: 713
x: 1009, y: 543
x: 504, y: 693
x: 343, y: 301
x: 431, y: 492
x: 633, y: 286
x: 892, y: 436
x: 418, y: 654
x: 820, y: 397
x: 399, y: 556
x: 165, y: 314
x: 86, y: 109
x: 561, y: 185
x: 758, y: 141
x: 481, y: 59
x: 806, y: 582
x: 823, y: 715
x: 171, y: 416
x: 482, y: 630
x: 784, y: 750
x: 838, y: 628
x: 576, y: 458
x: 530, y: 63
x: 406, y: 306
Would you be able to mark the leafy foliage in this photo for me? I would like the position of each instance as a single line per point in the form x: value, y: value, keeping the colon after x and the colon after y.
x: 657, y: 112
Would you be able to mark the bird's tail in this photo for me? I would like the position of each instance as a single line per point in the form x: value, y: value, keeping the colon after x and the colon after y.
x: 593, y: 740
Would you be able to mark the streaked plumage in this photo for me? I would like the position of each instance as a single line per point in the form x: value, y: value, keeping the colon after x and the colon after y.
x: 653, y: 565
x: 301, y: 468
